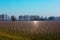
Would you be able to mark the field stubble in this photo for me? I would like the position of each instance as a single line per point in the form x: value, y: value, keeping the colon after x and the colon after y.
x: 30, y: 30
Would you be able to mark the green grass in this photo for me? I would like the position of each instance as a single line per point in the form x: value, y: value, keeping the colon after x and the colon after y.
x: 21, y: 35
x: 28, y: 36
x: 10, y: 37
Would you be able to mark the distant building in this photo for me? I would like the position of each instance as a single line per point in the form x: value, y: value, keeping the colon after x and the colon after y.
x: 57, y: 18
x: 24, y: 18
x: 43, y: 18
x: 28, y: 18
x: 0, y: 17
x: 4, y: 17
x: 20, y: 18
x: 35, y: 17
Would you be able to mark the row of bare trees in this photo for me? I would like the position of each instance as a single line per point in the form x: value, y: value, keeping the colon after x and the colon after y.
x: 13, y: 18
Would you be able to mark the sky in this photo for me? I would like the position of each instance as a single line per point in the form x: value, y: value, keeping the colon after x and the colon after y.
x: 30, y: 7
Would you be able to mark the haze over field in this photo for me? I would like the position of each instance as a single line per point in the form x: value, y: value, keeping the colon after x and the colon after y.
x: 30, y: 7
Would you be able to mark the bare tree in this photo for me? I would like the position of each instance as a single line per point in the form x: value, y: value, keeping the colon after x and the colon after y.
x: 51, y: 18
x: 13, y: 18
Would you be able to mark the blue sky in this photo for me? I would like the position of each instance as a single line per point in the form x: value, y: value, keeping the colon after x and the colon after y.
x: 30, y: 7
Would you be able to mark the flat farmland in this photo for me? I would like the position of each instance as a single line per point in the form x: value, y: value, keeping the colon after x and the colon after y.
x: 30, y: 30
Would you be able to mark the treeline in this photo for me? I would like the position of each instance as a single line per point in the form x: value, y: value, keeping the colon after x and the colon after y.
x: 5, y: 17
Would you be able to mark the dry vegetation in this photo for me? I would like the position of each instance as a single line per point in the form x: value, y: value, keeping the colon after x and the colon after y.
x: 18, y: 30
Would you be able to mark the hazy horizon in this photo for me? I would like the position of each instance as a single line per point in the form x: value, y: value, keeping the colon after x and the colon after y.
x: 30, y: 7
